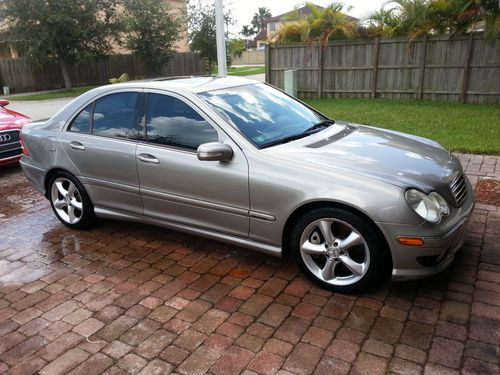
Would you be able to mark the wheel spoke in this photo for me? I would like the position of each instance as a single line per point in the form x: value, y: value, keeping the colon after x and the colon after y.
x: 353, y: 239
x: 355, y: 267
x: 59, y: 204
x: 310, y: 248
x: 326, y: 230
x: 71, y: 190
x: 71, y: 214
x: 76, y: 204
x: 328, y: 271
x: 61, y: 189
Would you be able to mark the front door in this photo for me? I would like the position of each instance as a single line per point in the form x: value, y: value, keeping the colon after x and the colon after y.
x: 175, y: 185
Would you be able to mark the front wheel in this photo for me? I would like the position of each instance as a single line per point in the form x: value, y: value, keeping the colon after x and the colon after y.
x: 338, y: 250
x: 70, y: 201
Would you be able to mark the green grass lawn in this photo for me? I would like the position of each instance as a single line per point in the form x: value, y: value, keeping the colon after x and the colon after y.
x: 246, y: 70
x: 469, y: 128
x: 53, y: 94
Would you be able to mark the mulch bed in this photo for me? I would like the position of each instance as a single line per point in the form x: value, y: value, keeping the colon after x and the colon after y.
x: 488, y: 192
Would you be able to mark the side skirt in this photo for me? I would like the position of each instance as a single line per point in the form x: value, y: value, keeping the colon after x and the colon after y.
x: 268, y: 249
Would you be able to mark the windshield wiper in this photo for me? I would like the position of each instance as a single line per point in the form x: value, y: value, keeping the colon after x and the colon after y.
x: 305, y: 133
x: 319, y: 125
x: 283, y: 140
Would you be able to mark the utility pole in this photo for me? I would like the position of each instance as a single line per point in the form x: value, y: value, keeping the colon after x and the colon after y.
x: 221, y: 39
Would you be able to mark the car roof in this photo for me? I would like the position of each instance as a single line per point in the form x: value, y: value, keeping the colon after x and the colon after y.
x: 190, y: 84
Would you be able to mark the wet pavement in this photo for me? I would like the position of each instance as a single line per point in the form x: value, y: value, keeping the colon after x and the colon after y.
x: 131, y: 298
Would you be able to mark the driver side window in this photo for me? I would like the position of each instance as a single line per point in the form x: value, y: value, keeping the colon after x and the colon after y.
x: 170, y: 121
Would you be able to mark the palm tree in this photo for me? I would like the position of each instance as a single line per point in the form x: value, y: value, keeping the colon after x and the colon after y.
x: 319, y: 27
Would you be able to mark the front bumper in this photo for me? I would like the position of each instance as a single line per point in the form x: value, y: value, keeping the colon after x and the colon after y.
x: 441, y: 243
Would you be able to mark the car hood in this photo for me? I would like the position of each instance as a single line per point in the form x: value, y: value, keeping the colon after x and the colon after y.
x: 8, y: 117
x: 401, y: 159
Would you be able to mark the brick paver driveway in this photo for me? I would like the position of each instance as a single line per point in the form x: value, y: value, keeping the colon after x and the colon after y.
x: 129, y: 298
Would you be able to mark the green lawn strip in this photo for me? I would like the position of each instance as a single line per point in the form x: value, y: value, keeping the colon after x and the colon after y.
x: 53, y: 94
x: 470, y: 128
x: 246, y: 70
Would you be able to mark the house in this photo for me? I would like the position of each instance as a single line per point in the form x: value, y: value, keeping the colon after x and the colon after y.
x: 7, y: 50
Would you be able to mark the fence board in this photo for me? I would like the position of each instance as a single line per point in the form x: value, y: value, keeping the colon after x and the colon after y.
x: 21, y: 76
x: 431, y: 68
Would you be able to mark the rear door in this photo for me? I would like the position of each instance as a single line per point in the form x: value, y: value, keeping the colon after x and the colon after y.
x: 101, y: 142
x: 178, y: 187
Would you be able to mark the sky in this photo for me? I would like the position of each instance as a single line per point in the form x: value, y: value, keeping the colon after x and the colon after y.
x: 243, y: 10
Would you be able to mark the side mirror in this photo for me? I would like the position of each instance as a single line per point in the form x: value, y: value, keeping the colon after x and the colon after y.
x: 214, y: 151
x: 4, y: 102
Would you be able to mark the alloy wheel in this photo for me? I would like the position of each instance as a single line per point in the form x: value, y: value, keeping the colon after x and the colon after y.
x: 67, y: 200
x: 334, y: 251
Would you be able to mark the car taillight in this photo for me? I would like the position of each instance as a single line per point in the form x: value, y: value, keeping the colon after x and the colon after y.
x: 23, y: 146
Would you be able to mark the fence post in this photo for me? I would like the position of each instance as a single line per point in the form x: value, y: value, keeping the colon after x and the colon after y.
x: 320, y: 71
x: 268, y: 63
x: 465, y: 76
x: 421, y: 74
x: 375, y: 68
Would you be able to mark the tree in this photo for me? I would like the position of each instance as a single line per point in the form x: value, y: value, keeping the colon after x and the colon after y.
x: 247, y: 31
x: 64, y: 31
x: 202, y: 31
x: 258, y: 22
x: 318, y: 27
x: 236, y: 47
x: 415, y: 18
x: 152, y: 29
x: 259, y: 19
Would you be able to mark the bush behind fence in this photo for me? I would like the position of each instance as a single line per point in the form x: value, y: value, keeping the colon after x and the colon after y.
x: 20, y: 76
x: 464, y: 69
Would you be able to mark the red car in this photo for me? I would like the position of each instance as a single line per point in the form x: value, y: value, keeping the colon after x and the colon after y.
x: 10, y: 130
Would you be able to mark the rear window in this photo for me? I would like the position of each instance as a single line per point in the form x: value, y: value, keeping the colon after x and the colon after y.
x: 83, y: 122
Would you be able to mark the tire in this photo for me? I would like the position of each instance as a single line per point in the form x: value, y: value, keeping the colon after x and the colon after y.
x: 339, y: 251
x: 70, y: 202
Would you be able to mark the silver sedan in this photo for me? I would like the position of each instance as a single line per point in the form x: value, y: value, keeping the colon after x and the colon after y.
x: 242, y: 162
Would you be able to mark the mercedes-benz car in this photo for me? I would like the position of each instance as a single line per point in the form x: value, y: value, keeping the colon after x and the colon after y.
x: 242, y: 162
x: 11, y: 123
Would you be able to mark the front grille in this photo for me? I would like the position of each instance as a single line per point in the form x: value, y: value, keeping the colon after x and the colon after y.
x: 9, y: 136
x: 10, y: 153
x: 459, y: 190
x: 9, y: 144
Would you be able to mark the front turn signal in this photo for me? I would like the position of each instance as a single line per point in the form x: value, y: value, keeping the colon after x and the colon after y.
x: 411, y: 241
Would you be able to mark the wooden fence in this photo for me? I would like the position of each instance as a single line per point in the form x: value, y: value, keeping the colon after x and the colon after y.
x: 463, y: 69
x: 20, y: 76
x: 250, y: 58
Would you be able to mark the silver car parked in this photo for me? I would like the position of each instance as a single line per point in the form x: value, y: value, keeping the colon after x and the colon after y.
x: 242, y: 162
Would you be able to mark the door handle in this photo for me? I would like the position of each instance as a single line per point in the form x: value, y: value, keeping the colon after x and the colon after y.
x: 76, y: 146
x: 147, y: 158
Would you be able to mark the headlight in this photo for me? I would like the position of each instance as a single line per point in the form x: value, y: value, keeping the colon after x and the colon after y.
x: 430, y: 207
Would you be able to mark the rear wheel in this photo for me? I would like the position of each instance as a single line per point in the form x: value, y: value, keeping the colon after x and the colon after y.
x: 338, y: 250
x: 70, y: 201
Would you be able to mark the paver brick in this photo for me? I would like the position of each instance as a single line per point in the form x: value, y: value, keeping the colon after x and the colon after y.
x: 139, y: 299
x: 266, y: 363
x: 232, y: 362
x: 303, y: 359
x: 66, y: 362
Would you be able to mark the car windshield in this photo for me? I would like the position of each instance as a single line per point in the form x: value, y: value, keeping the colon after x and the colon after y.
x: 264, y: 115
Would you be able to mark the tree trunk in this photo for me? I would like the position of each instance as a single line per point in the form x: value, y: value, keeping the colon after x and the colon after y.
x: 67, y: 78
